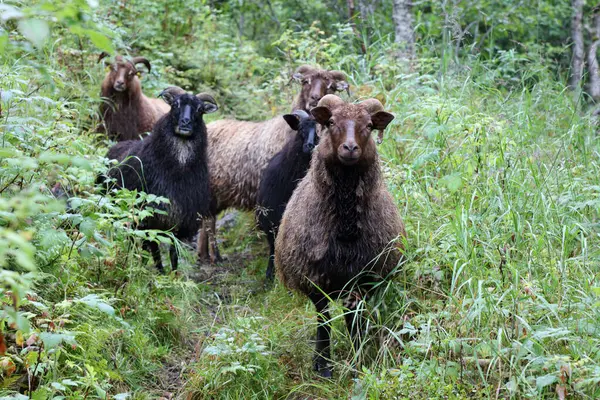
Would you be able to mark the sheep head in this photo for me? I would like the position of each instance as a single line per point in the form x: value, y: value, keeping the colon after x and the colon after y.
x: 347, y: 129
x: 123, y: 73
x: 306, y: 127
x: 187, y: 110
x: 316, y: 83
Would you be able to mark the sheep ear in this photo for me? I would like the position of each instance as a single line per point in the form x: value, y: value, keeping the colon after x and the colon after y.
x: 321, y: 114
x: 292, y: 120
x: 340, y: 86
x: 381, y: 119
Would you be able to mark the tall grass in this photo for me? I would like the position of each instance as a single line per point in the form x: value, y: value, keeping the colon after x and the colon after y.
x: 494, y: 167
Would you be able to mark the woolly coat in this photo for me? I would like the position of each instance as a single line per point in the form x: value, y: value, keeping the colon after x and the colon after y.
x: 339, y: 222
x: 170, y: 167
x: 281, y: 176
x: 238, y: 153
x: 130, y: 113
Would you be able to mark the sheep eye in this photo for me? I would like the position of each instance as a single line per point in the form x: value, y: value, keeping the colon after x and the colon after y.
x: 370, y: 127
x: 330, y: 123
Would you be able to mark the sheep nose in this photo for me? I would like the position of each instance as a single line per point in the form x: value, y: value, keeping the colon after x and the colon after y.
x: 120, y: 83
x: 350, y: 147
x: 185, y: 121
x: 308, y: 147
x: 315, y: 97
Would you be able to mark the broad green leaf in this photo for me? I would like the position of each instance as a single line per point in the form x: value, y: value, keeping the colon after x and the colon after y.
x: 94, y: 301
x: 53, y: 340
x: 546, y: 380
x: 58, y: 386
x: 34, y: 30
x: 453, y: 181
x: 87, y: 227
x: 100, y: 41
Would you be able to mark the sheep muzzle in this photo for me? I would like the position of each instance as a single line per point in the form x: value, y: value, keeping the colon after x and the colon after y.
x: 184, y: 126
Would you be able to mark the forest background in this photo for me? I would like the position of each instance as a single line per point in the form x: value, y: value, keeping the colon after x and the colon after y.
x: 493, y: 160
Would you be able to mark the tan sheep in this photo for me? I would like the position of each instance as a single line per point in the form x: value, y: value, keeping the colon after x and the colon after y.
x: 239, y: 151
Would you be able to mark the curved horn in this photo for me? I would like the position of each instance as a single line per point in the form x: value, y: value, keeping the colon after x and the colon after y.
x: 170, y: 93
x: 141, y: 60
x: 300, y: 71
x: 210, y: 105
x: 330, y: 101
x: 371, y: 105
x: 102, y: 56
x: 304, y: 69
x: 301, y: 114
x: 206, y: 97
x: 338, y: 75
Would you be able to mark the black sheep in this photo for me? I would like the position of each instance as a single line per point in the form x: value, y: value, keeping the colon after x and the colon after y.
x: 171, y: 163
x: 281, y: 177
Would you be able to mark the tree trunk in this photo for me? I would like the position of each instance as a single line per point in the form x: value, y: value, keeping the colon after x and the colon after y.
x: 578, y: 49
x: 592, y: 59
x: 403, y: 21
x: 352, y: 18
x: 367, y: 8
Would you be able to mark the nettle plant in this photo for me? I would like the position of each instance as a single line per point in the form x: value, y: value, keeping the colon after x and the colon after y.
x: 47, y: 244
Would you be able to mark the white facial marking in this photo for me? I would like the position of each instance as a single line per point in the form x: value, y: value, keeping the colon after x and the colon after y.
x: 350, y: 131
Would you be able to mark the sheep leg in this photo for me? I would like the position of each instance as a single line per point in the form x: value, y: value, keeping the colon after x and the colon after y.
x: 322, y: 345
x: 355, y: 321
x: 153, y: 248
x: 174, y: 258
x: 213, y: 249
x: 202, y: 244
x: 271, y: 266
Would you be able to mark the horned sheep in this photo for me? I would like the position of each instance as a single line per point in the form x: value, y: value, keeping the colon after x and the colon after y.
x: 337, y: 235
x: 239, y: 151
x: 171, y: 163
x: 125, y: 111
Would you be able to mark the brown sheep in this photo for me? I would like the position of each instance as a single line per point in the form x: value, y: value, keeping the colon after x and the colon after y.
x: 239, y: 151
x: 336, y: 234
x: 125, y: 111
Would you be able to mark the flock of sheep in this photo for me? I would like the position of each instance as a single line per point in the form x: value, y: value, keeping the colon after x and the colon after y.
x: 312, y: 177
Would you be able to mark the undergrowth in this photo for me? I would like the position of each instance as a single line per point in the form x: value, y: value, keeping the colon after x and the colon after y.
x: 493, y: 164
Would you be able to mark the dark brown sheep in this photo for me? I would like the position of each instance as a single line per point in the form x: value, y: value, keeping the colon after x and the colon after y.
x: 239, y: 151
x: 125, y: 111
x: 338, y: 232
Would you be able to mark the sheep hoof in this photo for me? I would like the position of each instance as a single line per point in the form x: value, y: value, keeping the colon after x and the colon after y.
x: 323, y: 369
x: 325, y: 372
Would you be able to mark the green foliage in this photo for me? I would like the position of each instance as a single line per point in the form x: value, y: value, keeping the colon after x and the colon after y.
x: 492, y: 164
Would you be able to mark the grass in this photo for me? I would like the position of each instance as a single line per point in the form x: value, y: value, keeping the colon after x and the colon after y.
x: 497, y: 184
